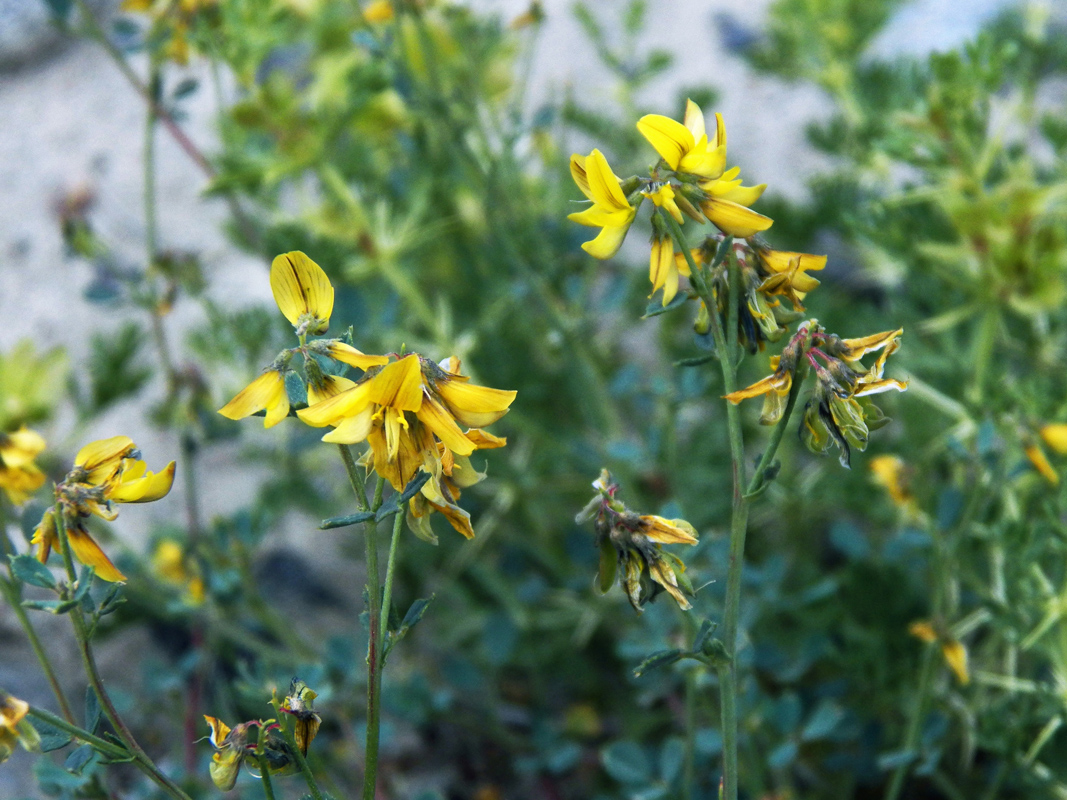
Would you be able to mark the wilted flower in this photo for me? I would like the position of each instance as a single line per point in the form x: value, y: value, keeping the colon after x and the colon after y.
x: 298, y: 704
x: 14, y: 727
x: 19, y: 476
x: 631, y: 548
x: 105, y: 472
x: 231, y: 747
x: 951, y: 648
x: 611, y: 211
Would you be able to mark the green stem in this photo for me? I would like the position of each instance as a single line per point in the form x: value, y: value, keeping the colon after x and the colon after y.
x: 103, y: 746
x: 85, y: 650
x: 983, y: 351
x: 264, y: 776
x: 374, y: 612
x: 689, y: 769
x: 911, y: 738
x: 301, y: 762
x: 387, y: 598
x: 149, y: 156
x: 11, y: 595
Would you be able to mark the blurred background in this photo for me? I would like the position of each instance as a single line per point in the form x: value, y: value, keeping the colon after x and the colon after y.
x: 422, y: 161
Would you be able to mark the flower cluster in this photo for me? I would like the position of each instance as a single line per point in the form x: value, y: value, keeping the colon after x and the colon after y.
x: 232, y: 745
x: 631, y: 548
x: 105, y: 472
x: 19, y: 476
x: 691, y: 180
x: 407, y: 408
x: 172, y: 22
x: 839, y: 411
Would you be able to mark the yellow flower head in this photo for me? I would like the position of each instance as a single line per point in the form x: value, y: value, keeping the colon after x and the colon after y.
x: 631, y: 548
x: 19, y: 476
x: 14, y: 727
x: 230, y: 750
x: 687, y: 149
x: 106, y: 471
x: 952, y: 649
x: 611, y: 211
x: 410, y: 411
x: 302, y: 291
x: 893, y: 474
x: 378, y: 11
x: 170, y: 565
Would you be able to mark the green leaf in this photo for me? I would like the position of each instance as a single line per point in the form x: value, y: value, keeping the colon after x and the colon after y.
x: 78, y: 759
x: 656, y: 307
x: 348, y: 519
x: 415, y: 612
x: 112, y: 600
x: 295, y: 389
x: 823, y: 721
x: 661, y: 658
x: 626, y: 762
x: 92, y: 710
x: 392, y: 505
x: 695, y: 361
x: 51, y: 606
x: 28, y: 569
x: 52, y: 738
x: 185, y: 88
x: 722, y: 251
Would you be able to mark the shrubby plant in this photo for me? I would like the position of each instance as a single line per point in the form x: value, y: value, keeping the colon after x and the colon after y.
x: 886, y: 621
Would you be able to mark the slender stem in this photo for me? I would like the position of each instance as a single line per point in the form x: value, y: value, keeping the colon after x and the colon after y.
x: 301, y: 762
x: 10, y: 592
x: 149, y: 157
x: 689, y: 768
x: 81, y: 632
x: 911, y: 738
x: 102, y: 745
x: 387, y: 597
x: 264, y: 776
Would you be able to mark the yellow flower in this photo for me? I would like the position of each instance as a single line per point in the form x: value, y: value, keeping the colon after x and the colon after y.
x: 687, y: 149
x: 171, y: 566
x: 611, y: 211
x: 378, y: 11
x: 105, y: 471
x: 399, y: 409
x: 665, y: 266
x: 775, y: 387
x: 892, y: 473
x: 19, y: 476
x: 1055, y: 436
x: 302, y: 291
x: 631, y: 548
x: 265, y: 392
x: 14, y: 727
x: 788, y: 274
x: 952, y: 649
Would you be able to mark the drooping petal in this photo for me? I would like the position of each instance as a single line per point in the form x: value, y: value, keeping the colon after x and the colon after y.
x: 88, y: 552
x: 667, y: 531
x: 265, y: 392
x: 352, y: 429
x: 485, y: 440
x: 735, y: 219
x: 333, y: 410
x: 608, y: 241
x: 435, y: 417
x: 475, y: 406
x: 772, y: 383
x: 331, y: 386
x: 663, y: 574
x: 855, y: 349
x: 347, y: 354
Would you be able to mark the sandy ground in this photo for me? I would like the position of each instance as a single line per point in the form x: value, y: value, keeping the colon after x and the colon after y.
x: 71, y: 120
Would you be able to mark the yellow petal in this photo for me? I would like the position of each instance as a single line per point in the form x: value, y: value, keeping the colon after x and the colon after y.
x: 671, y: 139
x: 219, y: 731
x: 332, y: 411
x: 137, y: 485
x: 694, y: 120
x: 352, y: 429
x: 347, y: 354
x: 1055, y: 436
x: 463, y: 473
x: 579, y: 174
x: 398, y: 385
x: 772, y: 383
x: 660, y: 264
x: 486, y: 441
x: 301, y: 287
x: 663, y: 574
x: 45, y: 536
x: 88, y: 552
x: 608, y: 241
x: 921, y: 629
x: 857, y: 348
x: 743, y: 195
x: 102, y: 458
x: 667, y: 531
x: 956, y: 656
x: 332, y: 385
x: 438, y: 420
x: 378, y: 11
x: 1041, y: 464
x: 19, y: 448
x: 604, y: 186
x: 265, y: 392
x: 475, y: 406
x: 735, y: 219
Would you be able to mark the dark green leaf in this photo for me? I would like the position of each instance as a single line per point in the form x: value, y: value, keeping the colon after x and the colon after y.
x: 29, y: 570
x: 707, y: 627
x: 655, y: 306
x: 78, y: 759
x: 661, y: 658
x: 722, y: 251
x: 51, y: 606
x: 626, y: 762
x: 52, y: 738
x: 92, y: 710
x: 695, y: 361
x: 349, y: 519
x: 185, y: 88
x: 295, y: 389
x: 415, y: 612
